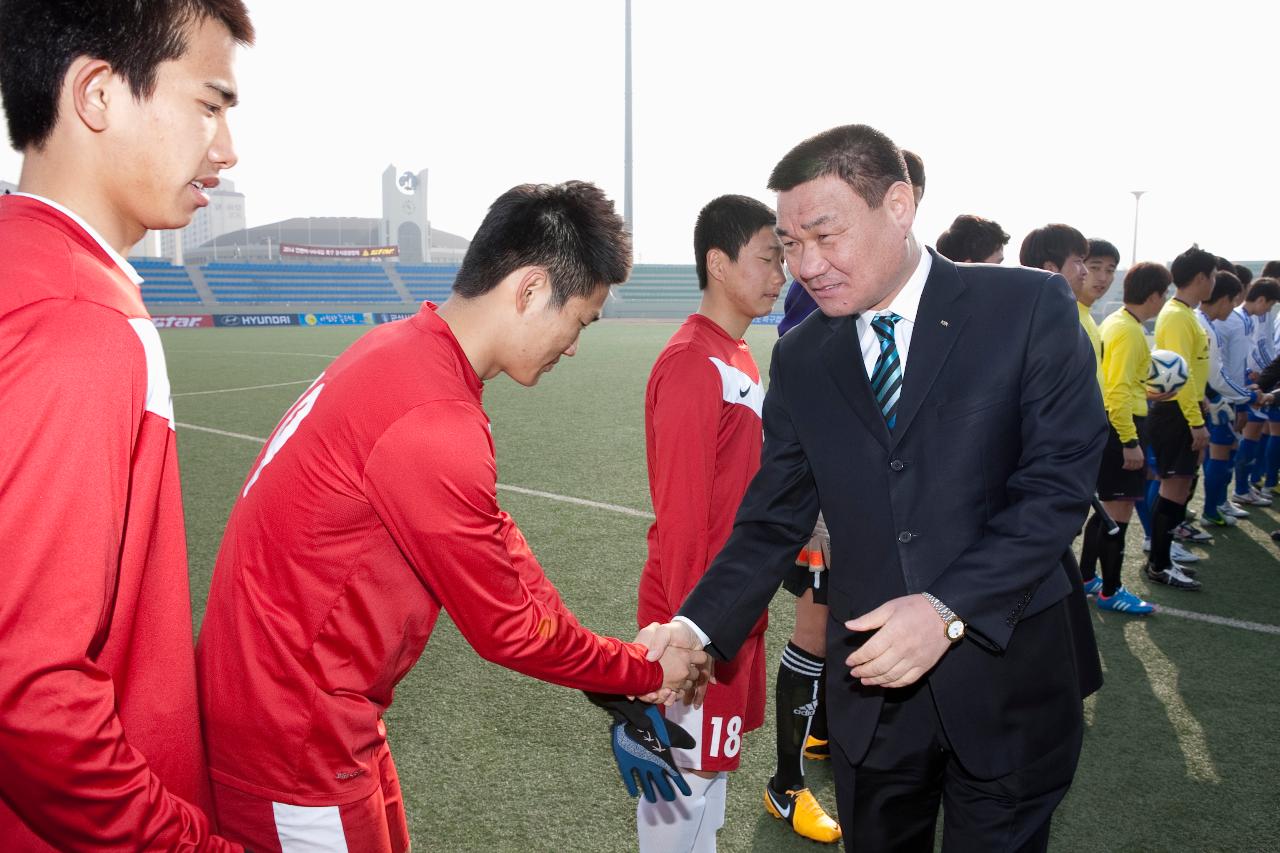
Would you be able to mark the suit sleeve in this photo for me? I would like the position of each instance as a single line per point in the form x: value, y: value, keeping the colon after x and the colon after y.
x: 432, y: 479
x: 684, y: 413
x: 1121, y: 361
x: 69, y: 398
x: 776, y: 517
x: 1063, y: 431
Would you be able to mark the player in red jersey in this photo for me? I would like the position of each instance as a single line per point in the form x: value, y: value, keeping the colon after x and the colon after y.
x: 703, y: 436
x: 99, y: 735
x: 372, y: 507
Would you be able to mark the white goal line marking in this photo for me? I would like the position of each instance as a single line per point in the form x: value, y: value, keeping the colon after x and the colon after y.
x: 1240, y: 624
x: 246, y: 388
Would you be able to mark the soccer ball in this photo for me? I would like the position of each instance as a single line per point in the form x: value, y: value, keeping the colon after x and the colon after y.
x: 1168, y: 371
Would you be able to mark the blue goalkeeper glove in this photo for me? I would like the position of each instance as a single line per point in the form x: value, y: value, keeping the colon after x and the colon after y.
x: 642, y: 742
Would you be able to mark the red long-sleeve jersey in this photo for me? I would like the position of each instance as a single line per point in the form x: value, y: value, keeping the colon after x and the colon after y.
x: 99, y: 736
x: 703, y: 436
x: 373, y: 505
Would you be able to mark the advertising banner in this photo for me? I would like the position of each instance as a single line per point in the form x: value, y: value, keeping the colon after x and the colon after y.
x: 183, y: 321
x: 768, y: 320
x: 299, y: 250
x: 340, y: 319
x: 241, y: 320
x: 391, y: 317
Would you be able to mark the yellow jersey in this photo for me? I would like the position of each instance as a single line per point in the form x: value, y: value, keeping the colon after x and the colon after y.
x: 1177, y: 329
x: 1095, y: 338
x: 1126, y: 360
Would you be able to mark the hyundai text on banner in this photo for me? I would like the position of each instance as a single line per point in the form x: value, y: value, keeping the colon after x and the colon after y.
x: 340, y: 319
x: 339, y: 251
x: 255, y: 319
x: 183, y: 321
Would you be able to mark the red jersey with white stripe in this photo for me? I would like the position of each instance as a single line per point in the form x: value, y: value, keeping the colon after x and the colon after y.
x: 373, y: 506
x: 703, y: 436
x: 99, y: 736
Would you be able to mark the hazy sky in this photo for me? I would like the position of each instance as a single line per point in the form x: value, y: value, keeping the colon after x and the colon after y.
x: 1025, y: 112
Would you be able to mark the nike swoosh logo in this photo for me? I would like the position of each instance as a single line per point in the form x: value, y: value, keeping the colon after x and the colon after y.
x: 744, y: 392
x: 784, y: 811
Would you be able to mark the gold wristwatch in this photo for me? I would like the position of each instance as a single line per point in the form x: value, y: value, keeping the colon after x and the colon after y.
x: 952, y: 625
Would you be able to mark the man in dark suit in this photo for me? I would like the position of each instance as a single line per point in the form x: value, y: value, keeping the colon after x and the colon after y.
x: 953, y: 459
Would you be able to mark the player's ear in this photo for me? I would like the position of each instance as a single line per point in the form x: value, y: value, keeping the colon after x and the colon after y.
x: 89, y: 82
x: 533, y: 288
x: 716, y: 262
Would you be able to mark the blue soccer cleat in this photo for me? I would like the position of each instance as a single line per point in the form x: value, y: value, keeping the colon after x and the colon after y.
x: 1125, y: 602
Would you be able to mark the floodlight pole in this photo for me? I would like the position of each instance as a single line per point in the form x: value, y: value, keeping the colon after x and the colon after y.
x: 1137, y: 200
x: 627, y: 155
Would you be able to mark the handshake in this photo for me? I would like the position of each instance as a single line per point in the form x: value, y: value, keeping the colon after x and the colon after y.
x: 641, y: 739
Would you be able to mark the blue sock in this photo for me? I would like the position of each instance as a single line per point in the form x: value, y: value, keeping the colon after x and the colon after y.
x: 1244, y: 461
x: 1217, y: 479
x: 1143, y: 506
x: 1273, y: 461
x: 1258, y: 469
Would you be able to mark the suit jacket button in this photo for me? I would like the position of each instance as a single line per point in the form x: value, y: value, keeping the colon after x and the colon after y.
x: 906, y: 536
x: 897, y: 465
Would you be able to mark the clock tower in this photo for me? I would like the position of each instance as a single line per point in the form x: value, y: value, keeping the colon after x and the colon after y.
x: 404, y: 214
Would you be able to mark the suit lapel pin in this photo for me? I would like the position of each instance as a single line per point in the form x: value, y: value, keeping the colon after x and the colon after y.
x: 945, y: 323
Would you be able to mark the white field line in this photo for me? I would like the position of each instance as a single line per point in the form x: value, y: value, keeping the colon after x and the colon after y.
x: 1162, y: 674
x: 245, y: 388
x: 1256, y: 627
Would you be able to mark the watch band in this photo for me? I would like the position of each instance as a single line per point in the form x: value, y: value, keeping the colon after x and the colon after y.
x: 943, y: 610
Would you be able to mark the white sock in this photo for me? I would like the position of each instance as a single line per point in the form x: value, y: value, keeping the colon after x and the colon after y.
x: 686, y: 824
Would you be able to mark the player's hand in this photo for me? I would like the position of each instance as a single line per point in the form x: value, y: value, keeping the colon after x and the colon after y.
x: 1266, y: 400
x: 1134, y: 459
x: 642, y: 741
x: 908, y: 641
x: 686, y: 669
x: 1199, y: 438
x: 1153, y: 397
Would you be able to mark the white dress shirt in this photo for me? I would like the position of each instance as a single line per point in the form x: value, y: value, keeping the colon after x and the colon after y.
x: 906, y: 305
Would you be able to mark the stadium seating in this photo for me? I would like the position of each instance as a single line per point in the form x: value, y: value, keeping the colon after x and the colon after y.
x: 163, y: 283
x: 239, y: 284
x: 428, y: 282
x: 658, y: 291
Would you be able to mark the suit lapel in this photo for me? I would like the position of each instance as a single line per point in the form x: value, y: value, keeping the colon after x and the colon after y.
x: 939, y: 322
x: 843, y: 357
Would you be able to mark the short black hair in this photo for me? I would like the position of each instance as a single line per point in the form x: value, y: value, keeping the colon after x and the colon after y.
x: 1144, y: 279
x: 1225, y: 286
x: 728, y: 223
x: 1272, y: 269
x: 1053, y: 243
x: 915, y: 169
x: 1102, y: 249
x: 571, y: 230
x: 1192, y: 263
x: 971, y: 239
x: 1264, y: 287
x: 1244, y: 274
x: 1226, y: 265
x: 39, y: 39
x: 861, y: 156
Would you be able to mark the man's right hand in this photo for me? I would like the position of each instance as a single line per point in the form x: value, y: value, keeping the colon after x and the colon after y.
x: 1199, y: 438
x: 686, y: 669
x: 1133, y: 459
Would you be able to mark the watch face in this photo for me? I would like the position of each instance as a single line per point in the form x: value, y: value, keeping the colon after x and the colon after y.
x: 955, y: 630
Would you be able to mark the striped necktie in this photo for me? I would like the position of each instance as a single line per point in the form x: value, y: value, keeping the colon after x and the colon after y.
x: 886, y: 378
